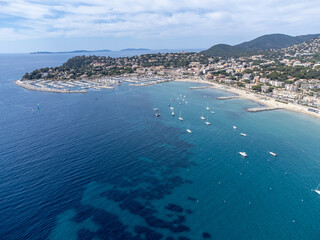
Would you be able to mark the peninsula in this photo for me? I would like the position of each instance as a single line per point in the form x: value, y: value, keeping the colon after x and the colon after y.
x: 284, y: 77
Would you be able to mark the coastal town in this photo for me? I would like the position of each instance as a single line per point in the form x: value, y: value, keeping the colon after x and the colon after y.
x: 289, y: 75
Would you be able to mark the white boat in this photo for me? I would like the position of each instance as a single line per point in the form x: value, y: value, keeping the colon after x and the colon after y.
x: 188, y: 129
x: 207, y: 107
x: 172, y: 113
x: 202, y: 117
x: 243, y: 154
x: 180, y: 118
x: 156, y: 109
x: 272, y: 153
x: 234, y: 127
x: 186, y: 102
x: 172, y: 108
x: 157, y: 115
x: 207, y: 122
x: 317, y: 190
x: 212, y: 112
x: 243, y: 134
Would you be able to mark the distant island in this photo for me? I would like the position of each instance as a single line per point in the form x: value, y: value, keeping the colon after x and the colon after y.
x: 135, y: 49
x: 75, y: 51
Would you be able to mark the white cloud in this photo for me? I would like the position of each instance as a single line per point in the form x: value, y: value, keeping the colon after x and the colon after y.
x: 164, y: 18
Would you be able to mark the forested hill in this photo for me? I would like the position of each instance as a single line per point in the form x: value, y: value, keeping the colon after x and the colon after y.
x: 266, y: 42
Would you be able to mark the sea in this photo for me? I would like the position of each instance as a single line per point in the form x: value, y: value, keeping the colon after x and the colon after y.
x: 101, y: 165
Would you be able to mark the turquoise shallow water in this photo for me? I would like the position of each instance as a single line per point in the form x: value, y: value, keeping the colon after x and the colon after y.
x: 101, y: 165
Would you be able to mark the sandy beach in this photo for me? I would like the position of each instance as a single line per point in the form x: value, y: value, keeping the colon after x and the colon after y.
x: 266, y: 101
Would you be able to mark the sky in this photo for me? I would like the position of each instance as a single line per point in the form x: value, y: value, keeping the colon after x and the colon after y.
x: 52, y: 25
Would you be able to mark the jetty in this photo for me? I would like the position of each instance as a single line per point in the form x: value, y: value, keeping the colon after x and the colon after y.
x: 201, y: 87
x: 261, y: 109
x: 226, y: 98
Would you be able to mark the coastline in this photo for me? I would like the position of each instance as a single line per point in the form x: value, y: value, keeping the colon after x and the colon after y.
x: 266, y: 101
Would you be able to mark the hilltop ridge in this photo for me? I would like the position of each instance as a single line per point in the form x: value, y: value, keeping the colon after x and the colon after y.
x: 262, y: 43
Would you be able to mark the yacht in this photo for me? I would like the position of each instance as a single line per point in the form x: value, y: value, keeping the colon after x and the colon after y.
x: 243, y: 134
x: 172, y: 108
x: 156, y: 109
x: 172, y: 113
x: 157, y: 115
x: 272, y: 153
x: 243, y: 154
x: 202, y: 117
x: 212, y: 112
x: 234, y: 127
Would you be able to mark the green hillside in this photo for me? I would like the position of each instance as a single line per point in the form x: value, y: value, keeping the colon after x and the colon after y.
x: 271, y: 41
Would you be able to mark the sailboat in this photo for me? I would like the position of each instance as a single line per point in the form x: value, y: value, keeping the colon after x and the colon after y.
x: 317, y: 190
x: 202, y: 117
x: 180, y: 118
x: 207, y: 107
x: 188, y: 129
x: 207, y: 122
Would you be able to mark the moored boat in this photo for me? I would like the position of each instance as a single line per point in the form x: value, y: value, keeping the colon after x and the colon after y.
x: 244, y: 154
x: 274, y: 154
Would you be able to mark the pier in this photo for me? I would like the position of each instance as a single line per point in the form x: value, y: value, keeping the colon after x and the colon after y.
x: 226, y: 98
x: 261, y: 109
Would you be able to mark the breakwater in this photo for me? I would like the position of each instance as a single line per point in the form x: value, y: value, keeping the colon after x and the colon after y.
x: 226, y: 98
x: 201, y: 87
x: 46, y: 89
x: 261, y: 109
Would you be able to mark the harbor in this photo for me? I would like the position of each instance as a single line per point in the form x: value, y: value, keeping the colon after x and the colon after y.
x: 83, y: 85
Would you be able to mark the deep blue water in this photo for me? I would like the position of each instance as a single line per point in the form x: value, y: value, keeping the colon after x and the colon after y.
x: 100, y: 165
